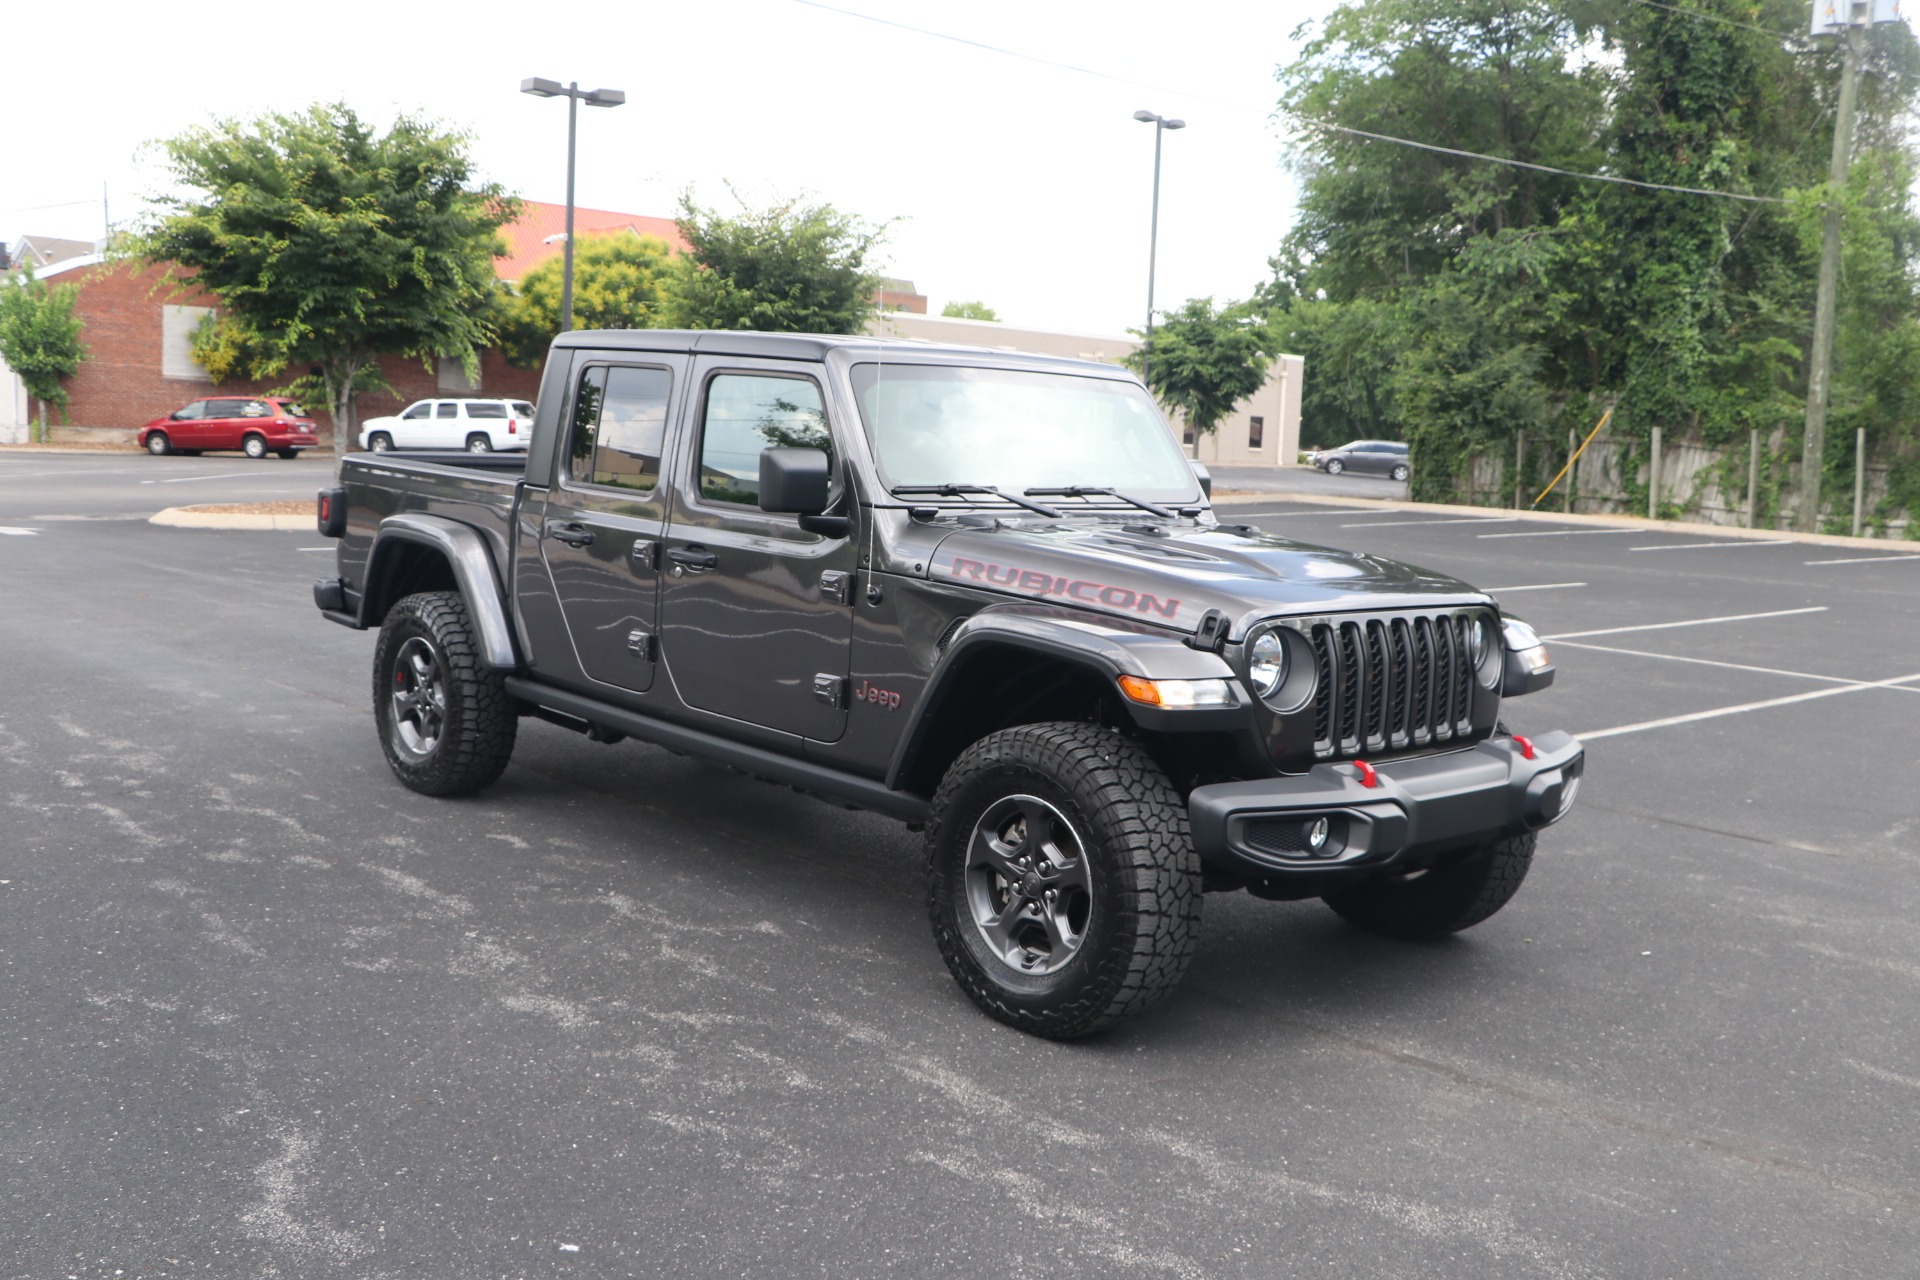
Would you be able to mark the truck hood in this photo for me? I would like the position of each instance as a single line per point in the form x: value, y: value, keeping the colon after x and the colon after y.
x: 1173, y: 575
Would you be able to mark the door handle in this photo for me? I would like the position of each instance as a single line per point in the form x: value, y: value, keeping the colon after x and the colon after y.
x: 571, y: 532
x: 694, y: 557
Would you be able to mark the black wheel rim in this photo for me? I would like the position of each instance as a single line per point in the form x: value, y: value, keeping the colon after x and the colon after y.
x: 419, y: 698
x: 1028, y: 891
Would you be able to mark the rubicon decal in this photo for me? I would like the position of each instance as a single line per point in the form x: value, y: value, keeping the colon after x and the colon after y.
x: 1034, y: 582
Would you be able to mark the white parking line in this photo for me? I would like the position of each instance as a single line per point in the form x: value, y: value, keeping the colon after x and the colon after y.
x: 12, y: 532
x: 1863, y: 560
x: 1537, y: 586
x: 1698, y: 546
x: 1691, y: 622
x: 1730, y: 666
x: 1595, y: 734
x: 224, y: 475
x: 1401, y: 524
x: 1557, y: 533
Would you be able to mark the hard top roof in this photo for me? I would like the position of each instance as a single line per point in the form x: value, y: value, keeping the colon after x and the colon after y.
x: 812, y: 346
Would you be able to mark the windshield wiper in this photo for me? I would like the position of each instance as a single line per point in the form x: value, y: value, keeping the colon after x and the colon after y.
x: 1088, y: 490
x: 963, y: 490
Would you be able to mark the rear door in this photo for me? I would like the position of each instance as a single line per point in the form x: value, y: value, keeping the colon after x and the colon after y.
x: 220, y: 429
x: 448, y: 430
x: 605, y: 515
x: 756, y: 616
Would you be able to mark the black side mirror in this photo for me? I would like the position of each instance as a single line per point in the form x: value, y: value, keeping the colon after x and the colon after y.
x: 174, y: 416
x: 798, y: 482
x: 794, y: 481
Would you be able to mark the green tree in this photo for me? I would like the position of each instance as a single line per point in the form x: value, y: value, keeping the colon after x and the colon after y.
x: 40, y: 338
x: 330, y: 244
x: 788, y: 268
x: 1454, y: 302
x: 1203, y: 361
x: 620, y: 281
x: 969, y: 311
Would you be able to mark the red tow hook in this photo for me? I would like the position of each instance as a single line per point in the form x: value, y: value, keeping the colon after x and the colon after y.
x: 1368, y: 778
x: 1526, y: 746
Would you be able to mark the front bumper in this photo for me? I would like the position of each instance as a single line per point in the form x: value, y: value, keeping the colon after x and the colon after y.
x: 1418, y: 807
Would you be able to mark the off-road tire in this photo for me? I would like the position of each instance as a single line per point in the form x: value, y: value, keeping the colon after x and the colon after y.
x: 254, y: 446
x: 1441, y: 900
x: 159, y: 444
x: 479, y: 724
x: 1335, y: 467
x: 1143, y: 921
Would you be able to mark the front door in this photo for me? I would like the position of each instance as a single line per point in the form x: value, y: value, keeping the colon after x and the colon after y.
x: 220, y: 429
x: 756, y: 614
x: 601, y: 530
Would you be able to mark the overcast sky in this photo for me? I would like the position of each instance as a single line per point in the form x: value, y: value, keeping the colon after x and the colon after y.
x: 1023, y: 185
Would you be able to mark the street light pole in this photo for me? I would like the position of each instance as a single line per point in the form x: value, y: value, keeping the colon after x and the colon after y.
x: 1160, y: 125
x: 572, y: 92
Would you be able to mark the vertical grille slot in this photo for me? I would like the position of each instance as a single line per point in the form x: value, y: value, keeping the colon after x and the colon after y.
x: 1400, y: 726
x: 1378, y: 704
x: 1422, y: 681
x: 1446, y: 658
x: 1463, y: 696
x: 1351, y: 687
x: 1323, y: 690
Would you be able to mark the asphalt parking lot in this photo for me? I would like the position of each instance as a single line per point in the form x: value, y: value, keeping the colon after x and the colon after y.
x: 267, y: 1013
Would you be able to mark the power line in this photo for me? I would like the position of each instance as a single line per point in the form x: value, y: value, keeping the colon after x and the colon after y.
x: 1541, y: 168
x: 1714, y: 17
x: 1317, y: 124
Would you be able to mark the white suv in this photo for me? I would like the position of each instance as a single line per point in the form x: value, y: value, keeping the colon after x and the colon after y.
x: 478, y: 426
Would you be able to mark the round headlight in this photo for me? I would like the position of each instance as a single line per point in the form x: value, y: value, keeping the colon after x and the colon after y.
x: 1478, y: 640
x: 1267, y: 663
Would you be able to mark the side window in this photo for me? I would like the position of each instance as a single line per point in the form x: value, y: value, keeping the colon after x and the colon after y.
x: 486, y: 409
x: 447, y: 409
x: 619, y: 424
x: 223, y: 408
x: 193, y: 412
x: 255, y: 409
x: 416, y: 411
x: 750, y: 412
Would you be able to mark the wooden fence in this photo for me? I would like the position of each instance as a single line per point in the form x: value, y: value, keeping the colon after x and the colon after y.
x: 1755, y: 485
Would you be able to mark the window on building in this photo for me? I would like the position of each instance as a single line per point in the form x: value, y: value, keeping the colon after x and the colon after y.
x: 619, y: 423
x: 453, y: 376
x: 177, y: 325
x: 1256, y: 431
x: 750, y: 412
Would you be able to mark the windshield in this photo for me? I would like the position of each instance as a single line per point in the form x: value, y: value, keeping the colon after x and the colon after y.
x: 1017, y: 430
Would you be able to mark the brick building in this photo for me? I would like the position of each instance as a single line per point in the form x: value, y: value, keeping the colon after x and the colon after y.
x: 138, y: 326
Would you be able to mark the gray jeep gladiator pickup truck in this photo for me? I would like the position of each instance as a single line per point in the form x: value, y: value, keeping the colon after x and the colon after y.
x: 984, y: 593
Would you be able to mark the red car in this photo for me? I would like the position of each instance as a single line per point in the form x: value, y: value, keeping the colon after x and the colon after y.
x: 255, y: 425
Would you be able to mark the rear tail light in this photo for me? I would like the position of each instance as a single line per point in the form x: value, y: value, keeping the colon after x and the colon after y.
x: 330, y: 512
x: 513, y: 426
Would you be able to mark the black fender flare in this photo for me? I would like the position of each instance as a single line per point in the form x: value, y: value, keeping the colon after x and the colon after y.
x: 1109, y: 650
x: 473, y: 569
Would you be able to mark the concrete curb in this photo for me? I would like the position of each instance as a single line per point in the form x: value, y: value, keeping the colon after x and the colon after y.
x: 1730, y: 534
x: 188, y: 518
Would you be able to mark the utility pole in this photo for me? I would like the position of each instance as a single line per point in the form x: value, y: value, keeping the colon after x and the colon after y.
x: 1820, y: 360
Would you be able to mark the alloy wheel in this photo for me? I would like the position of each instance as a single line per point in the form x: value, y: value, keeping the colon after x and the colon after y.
x: 1027, y: 885
x: 419, y: 698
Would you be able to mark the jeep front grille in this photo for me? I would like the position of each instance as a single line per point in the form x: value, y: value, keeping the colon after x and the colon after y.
x: 1391, y: 684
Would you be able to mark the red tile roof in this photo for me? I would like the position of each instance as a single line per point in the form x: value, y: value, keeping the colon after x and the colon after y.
x: 526, y: 247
